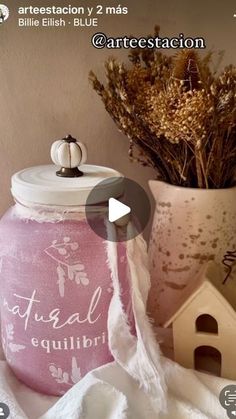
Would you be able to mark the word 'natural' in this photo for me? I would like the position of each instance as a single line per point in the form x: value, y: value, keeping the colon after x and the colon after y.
x: 28, y: 311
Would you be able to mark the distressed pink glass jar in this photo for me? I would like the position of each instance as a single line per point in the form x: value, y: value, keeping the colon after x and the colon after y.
x: 55, y: 278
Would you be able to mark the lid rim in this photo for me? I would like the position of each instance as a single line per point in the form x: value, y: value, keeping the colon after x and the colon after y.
x: 30, y: 186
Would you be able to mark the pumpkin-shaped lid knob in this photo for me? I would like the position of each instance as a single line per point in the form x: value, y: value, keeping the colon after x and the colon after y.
x: 61, y: 185
x: 68, y: 153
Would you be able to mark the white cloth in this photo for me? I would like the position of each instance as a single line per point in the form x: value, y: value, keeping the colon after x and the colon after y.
x: 139, y: 384
x: 110, y: 393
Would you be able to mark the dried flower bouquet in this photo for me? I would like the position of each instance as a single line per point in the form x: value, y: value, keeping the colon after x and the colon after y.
x: 177, y: 112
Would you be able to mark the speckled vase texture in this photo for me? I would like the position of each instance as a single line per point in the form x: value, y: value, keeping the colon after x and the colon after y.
x: 56, y: 289
x: 190, y: 227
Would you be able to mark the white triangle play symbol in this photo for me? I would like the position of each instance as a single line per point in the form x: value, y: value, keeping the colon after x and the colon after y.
x: 117, y: 210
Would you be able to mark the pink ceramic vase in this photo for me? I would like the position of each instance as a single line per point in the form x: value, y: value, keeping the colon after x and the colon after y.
x: 190, y: 227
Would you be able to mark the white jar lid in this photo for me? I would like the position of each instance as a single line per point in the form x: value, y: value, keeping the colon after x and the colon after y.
x: 41, y: 185
x: 68, y: 182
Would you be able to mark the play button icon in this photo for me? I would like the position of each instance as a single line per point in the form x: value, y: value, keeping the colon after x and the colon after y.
x: 117, y: 210
x: 117, y: 202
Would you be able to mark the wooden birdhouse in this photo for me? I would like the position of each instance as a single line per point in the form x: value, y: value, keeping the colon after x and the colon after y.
x: 204, y: 325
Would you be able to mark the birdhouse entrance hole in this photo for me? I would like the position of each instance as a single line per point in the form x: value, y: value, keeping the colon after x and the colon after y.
x: 207, y: 324
x: 207, y: 359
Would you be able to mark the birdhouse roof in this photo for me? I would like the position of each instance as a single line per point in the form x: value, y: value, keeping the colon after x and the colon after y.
x: 210, y: 277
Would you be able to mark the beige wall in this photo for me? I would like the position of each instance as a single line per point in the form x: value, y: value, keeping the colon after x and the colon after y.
x: 45, y: 92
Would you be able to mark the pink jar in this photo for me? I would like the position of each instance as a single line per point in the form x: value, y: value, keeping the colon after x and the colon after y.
x: 55, y: 277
